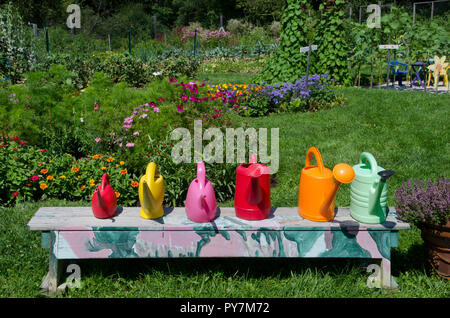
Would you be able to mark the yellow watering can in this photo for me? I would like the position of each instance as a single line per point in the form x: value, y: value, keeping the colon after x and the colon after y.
x: 151, y: 193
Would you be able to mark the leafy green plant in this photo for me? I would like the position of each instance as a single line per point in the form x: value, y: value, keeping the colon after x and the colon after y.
x: 331, y: 41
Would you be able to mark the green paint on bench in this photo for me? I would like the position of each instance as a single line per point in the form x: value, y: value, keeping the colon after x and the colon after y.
x: 45, y: 242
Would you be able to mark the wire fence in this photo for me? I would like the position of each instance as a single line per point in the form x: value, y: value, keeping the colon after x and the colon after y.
x: 426, y: 10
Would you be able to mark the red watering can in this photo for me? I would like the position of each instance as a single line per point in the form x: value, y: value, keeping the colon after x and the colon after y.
x: 201, y: 203
x: 252, y: 196
x: 104, y: 201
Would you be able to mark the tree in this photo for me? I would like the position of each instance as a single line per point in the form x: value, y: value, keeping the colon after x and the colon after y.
x: 262, y: 11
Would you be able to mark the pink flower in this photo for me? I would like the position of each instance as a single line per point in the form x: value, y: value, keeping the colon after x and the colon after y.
x: 98, y: 139
x: 130, y: 144
x: 160, y: 99
x: 172, y: 80
x: 95, y: 106
x: 34, y: 178
x: 136, y: 133
x: 143, y: 115
x: 184, y: 98
x: 180, y: 107
x: 15, y: 194
x: 156, y: 109
x: 152, y: 104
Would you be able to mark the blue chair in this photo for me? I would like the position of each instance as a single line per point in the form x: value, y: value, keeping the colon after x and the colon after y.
x: 398, y: 69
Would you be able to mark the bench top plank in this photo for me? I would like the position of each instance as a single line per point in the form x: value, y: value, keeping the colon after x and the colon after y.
x: 175, y: 219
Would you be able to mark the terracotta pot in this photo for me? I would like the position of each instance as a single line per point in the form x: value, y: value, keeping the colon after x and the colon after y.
x: 437, y: 244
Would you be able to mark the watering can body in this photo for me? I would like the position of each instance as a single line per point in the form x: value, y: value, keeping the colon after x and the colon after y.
x: 151, y: 193
x: 318, y: 188
x: 252, y: 194
x: 104, y: 200
x: 368, y: 195
x: 201, y: 205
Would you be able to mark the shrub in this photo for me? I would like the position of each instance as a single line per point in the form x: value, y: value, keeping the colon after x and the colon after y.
x: 417, y: 204
x: 235, y: 26
x: 119, y: 67
x: 275, y: 28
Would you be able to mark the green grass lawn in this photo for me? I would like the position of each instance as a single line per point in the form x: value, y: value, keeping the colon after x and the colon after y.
x: 405, y: 131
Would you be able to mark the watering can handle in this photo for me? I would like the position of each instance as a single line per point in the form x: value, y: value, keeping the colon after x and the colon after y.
x: 201, y: 174
x: 368, y: 157
x: 314, y: 151
x: 105, y: 181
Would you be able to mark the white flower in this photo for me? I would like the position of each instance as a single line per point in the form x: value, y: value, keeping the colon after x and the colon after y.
x: 81, y: 119
x: 157, y: 73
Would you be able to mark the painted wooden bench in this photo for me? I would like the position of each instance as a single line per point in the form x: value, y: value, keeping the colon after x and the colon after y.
x: 73, y: 233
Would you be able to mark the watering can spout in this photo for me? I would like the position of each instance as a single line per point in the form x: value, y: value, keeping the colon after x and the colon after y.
x: 343, y: 173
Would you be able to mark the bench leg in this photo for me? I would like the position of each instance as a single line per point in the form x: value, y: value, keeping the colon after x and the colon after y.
x: 50, y: 283
x: 384, y: 278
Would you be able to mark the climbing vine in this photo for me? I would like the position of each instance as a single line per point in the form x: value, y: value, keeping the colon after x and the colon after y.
x: 288, y: 64
x: 332, y: 53
x: 325, y: 27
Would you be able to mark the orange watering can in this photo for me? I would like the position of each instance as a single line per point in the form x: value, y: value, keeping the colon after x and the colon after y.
x: 318, y: 188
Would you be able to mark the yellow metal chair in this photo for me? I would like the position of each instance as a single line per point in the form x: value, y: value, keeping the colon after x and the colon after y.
x: 438, y: 69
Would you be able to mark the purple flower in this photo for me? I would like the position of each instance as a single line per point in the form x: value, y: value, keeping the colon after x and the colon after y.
x: 130, y: 144
x: 418, y: 204
x: 180, y: 107
x: 156, y: 109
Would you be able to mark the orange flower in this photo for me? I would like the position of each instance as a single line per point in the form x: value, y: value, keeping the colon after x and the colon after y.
x: 103, y: 168
x: 134, y: 184
x: 92, y: 181
x: 50, y: 178
x: 82, y: 187
x: 122, y: 162
x: 110, y: 159
x: 63, y: 177
x: 117, y: 194
x: 44, y: 171
x: 43, y: 186
x: 75, y: 170
x: 123, y: 171
x: 96, y: 156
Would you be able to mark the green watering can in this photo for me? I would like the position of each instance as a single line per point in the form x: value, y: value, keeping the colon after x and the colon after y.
x: 368, y: 191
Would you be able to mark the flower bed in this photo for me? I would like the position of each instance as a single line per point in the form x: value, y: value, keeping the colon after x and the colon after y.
x: 32, y: 173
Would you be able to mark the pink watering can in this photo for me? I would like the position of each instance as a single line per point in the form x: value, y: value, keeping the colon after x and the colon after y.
x: 104, y: 200
x: 201, y: 203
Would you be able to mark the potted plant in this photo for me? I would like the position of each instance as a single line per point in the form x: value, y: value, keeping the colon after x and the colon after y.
x: 429, y: 209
